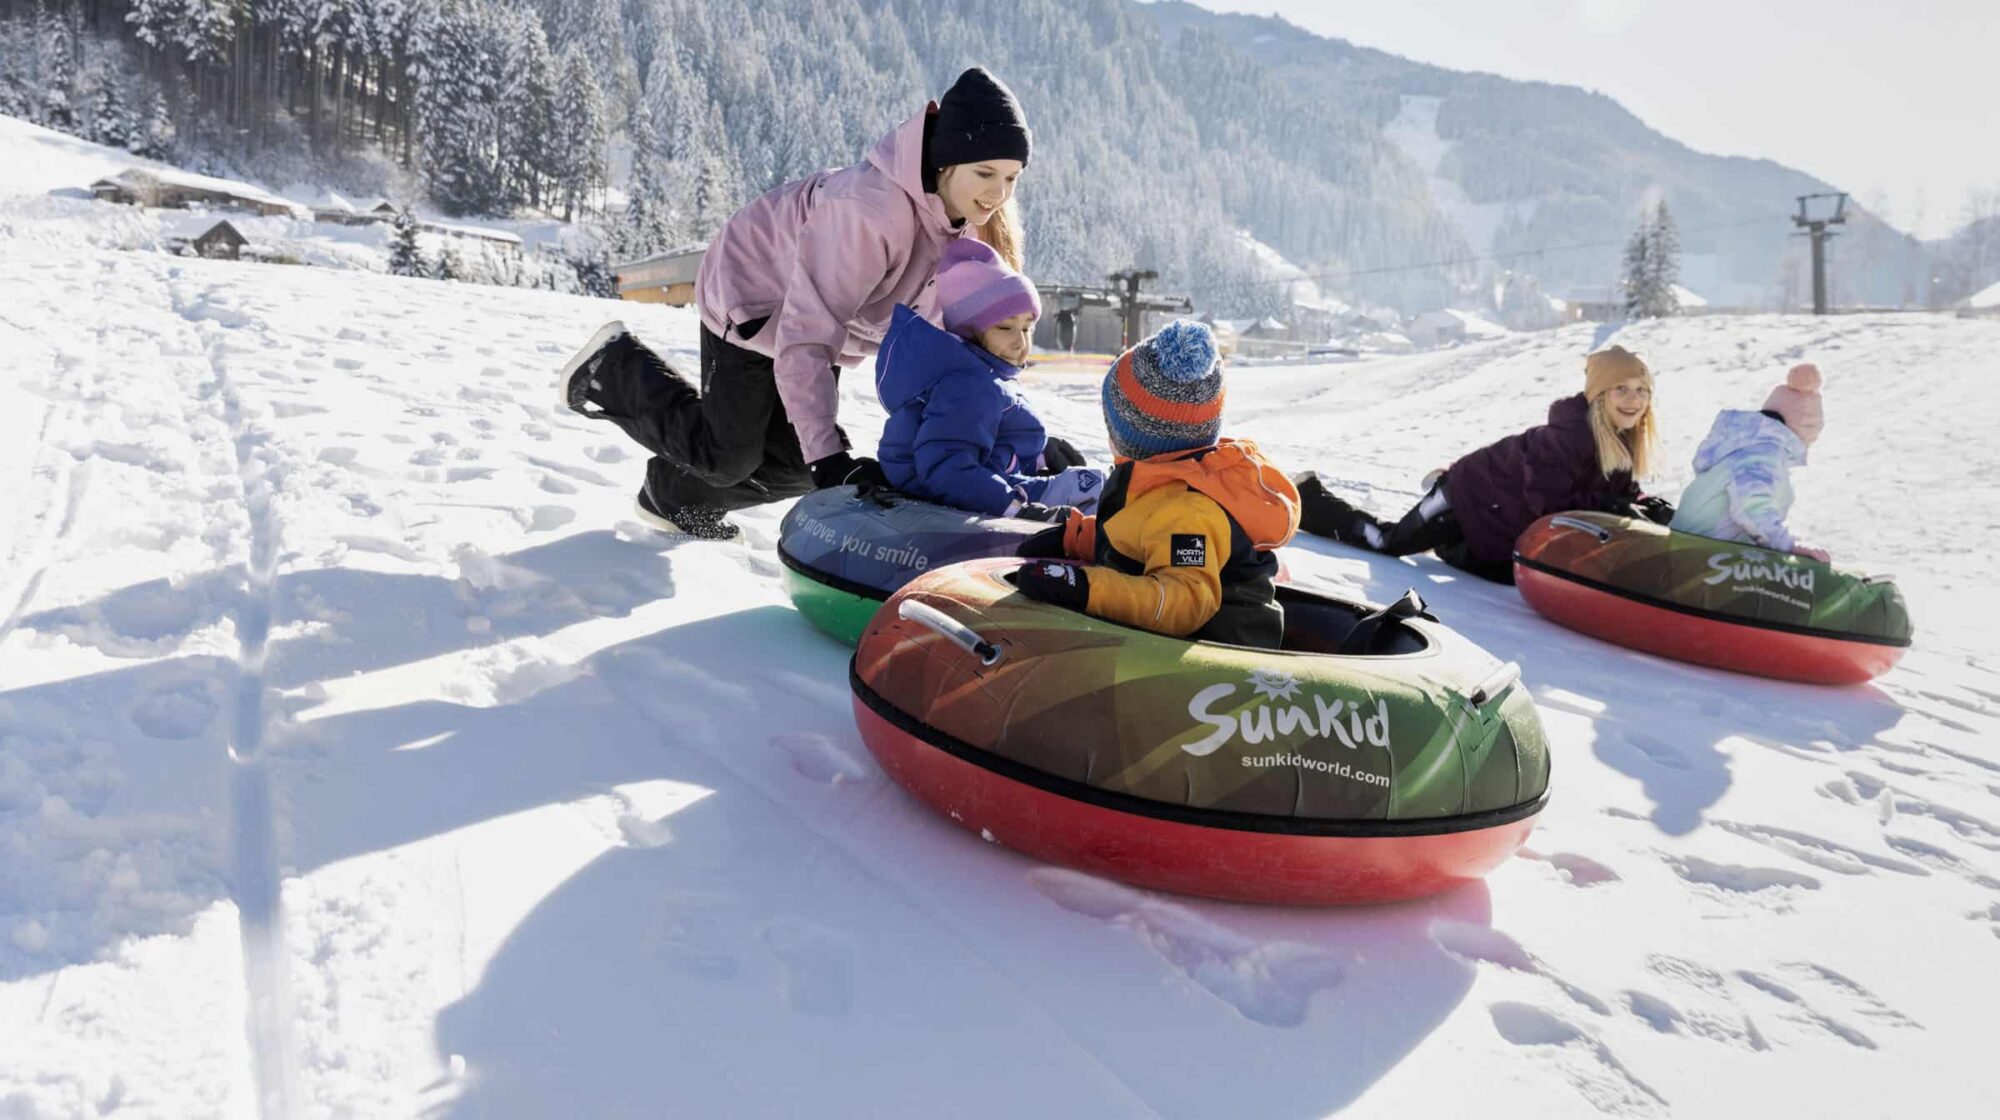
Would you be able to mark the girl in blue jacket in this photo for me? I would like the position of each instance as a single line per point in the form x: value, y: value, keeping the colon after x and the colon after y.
x: 959, y: 432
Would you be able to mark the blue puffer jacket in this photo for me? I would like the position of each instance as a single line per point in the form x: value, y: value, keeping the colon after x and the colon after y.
x: 1742, y: 487
x: 958, y: 431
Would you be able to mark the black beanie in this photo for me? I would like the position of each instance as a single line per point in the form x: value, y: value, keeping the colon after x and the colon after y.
x: 978, y: 119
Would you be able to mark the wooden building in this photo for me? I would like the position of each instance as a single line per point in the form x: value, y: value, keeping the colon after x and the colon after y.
x: 661, y: 278
x: 178, y: 190
x: 221, y: 242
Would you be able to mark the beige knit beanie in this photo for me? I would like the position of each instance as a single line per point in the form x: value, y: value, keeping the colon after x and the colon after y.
x: 1608, y: 367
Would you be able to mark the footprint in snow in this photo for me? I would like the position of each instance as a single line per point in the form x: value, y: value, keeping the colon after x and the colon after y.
x: 1266, y: 982
x: 1581, y: 871
x: 1819, y: 852
x: 1484, y: 944
x: 1737, y: 878
x: 181, y: 710
x: 816, y: 966
x: 1841, y: 988
x: 1580, y: 1057
x: 1657, y: 751
x: 820, y: 758
x: 1665, y: 1017
x: 545, y: 518
x: 1798, y: 1009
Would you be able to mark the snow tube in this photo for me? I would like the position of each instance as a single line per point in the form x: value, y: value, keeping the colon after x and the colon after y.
x: 845, y: 552
x: 1733, y: 606
x: 1367, y: 761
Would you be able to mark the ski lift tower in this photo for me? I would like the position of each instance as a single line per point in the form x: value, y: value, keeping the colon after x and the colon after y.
x: 1134, y: 306
x: 1816, y: 228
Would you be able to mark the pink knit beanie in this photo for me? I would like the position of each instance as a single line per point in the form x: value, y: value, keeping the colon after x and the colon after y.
x: 976, y: 289
x: 1797, y: 400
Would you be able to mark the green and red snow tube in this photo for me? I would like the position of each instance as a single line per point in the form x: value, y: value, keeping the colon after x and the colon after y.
x: 845, y: 551
x: 1733, y: 606
x: 1373, y: 758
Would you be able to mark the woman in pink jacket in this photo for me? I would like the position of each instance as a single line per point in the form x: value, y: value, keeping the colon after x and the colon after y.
x: 797, y: 284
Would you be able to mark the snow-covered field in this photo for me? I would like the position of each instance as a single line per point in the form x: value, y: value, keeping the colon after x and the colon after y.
x: 359, y: 756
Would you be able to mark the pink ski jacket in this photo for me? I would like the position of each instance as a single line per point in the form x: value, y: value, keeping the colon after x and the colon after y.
x: 828, y: 258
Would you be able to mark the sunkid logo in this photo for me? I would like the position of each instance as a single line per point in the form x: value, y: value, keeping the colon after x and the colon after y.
x: 1344, y: 721
x: 1725, y: 566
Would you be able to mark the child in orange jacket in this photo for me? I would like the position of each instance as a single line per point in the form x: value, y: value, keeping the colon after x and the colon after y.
x: 1185, y: 535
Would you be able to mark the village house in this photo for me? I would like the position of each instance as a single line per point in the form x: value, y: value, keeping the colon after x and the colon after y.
x: 178, y: 190
x: 666, y: 277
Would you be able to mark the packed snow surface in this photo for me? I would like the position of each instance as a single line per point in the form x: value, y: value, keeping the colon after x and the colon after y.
x: 361, y: 756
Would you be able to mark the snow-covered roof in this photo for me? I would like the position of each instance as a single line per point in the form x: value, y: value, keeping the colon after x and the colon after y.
x: 1469, y: 321
x: 1688, y: 297
x: 688, y: 249
x: 1594, y: 293
x: 500, y: 235
x: 1984, y: 298
x: 143, y: 176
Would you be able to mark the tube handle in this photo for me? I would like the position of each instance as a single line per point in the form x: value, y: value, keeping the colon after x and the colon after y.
x: 1496, y: 682
x: 951, y: 630
x: 1602, y: 534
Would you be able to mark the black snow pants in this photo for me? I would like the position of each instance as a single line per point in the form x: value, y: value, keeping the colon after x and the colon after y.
x: 728, y: 446
x: 1429, y: 526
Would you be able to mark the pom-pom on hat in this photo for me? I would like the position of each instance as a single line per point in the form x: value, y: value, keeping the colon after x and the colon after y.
x: 1608, y: 367
x: 1165, y: 394
x: 1798, y: 401
x: 976, y: 289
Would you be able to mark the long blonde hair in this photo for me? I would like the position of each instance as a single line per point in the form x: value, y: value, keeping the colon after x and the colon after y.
x: 1633, y: 450
x: 1002, y: 231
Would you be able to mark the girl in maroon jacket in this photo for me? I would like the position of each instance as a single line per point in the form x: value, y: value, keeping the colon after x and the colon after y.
x: 1585, y: 457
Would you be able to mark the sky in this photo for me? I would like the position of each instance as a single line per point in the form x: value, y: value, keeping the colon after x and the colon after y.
x: 1895, y: 104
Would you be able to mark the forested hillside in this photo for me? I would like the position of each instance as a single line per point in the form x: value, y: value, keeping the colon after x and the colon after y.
x: 1161, y: 131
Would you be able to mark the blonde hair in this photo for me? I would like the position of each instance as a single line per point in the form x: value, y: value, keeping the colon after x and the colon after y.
x: 1633, y: 450
x: 1002, y: 231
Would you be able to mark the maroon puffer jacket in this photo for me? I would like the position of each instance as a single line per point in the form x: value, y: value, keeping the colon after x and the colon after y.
x: 1501, y: 489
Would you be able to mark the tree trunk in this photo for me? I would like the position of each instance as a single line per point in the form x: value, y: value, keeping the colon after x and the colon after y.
x: 313, y: 94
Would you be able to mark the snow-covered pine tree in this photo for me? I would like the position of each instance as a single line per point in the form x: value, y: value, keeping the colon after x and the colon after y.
x: 59, y: 98
x: 1663, y: 262
x: 593, y: 273
x: 525, y: 94
x: 458, y: 94
x: 1522, y: 304
x: 648, y: 226
x: 14, y: 101
x: 714, y: 200
x: 406, y: 258
x: 579, y: 133
x: 449, y: 265
x: 1637, y: 276
x: 110, y: 121
x: 155, y: 137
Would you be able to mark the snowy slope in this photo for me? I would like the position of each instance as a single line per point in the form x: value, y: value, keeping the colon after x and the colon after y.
x: 1413, y: 130
x: 359, y: 756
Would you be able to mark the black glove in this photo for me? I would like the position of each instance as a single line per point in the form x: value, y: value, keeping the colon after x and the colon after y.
x: 842, y: 469
x: 1045, y: 545
x: 1036, y: 511
x: 1051, y: 581
x: 1659, y: 511
x: 1058, y: 455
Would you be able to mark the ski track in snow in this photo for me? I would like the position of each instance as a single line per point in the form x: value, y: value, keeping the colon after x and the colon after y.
x: 360, y: 755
